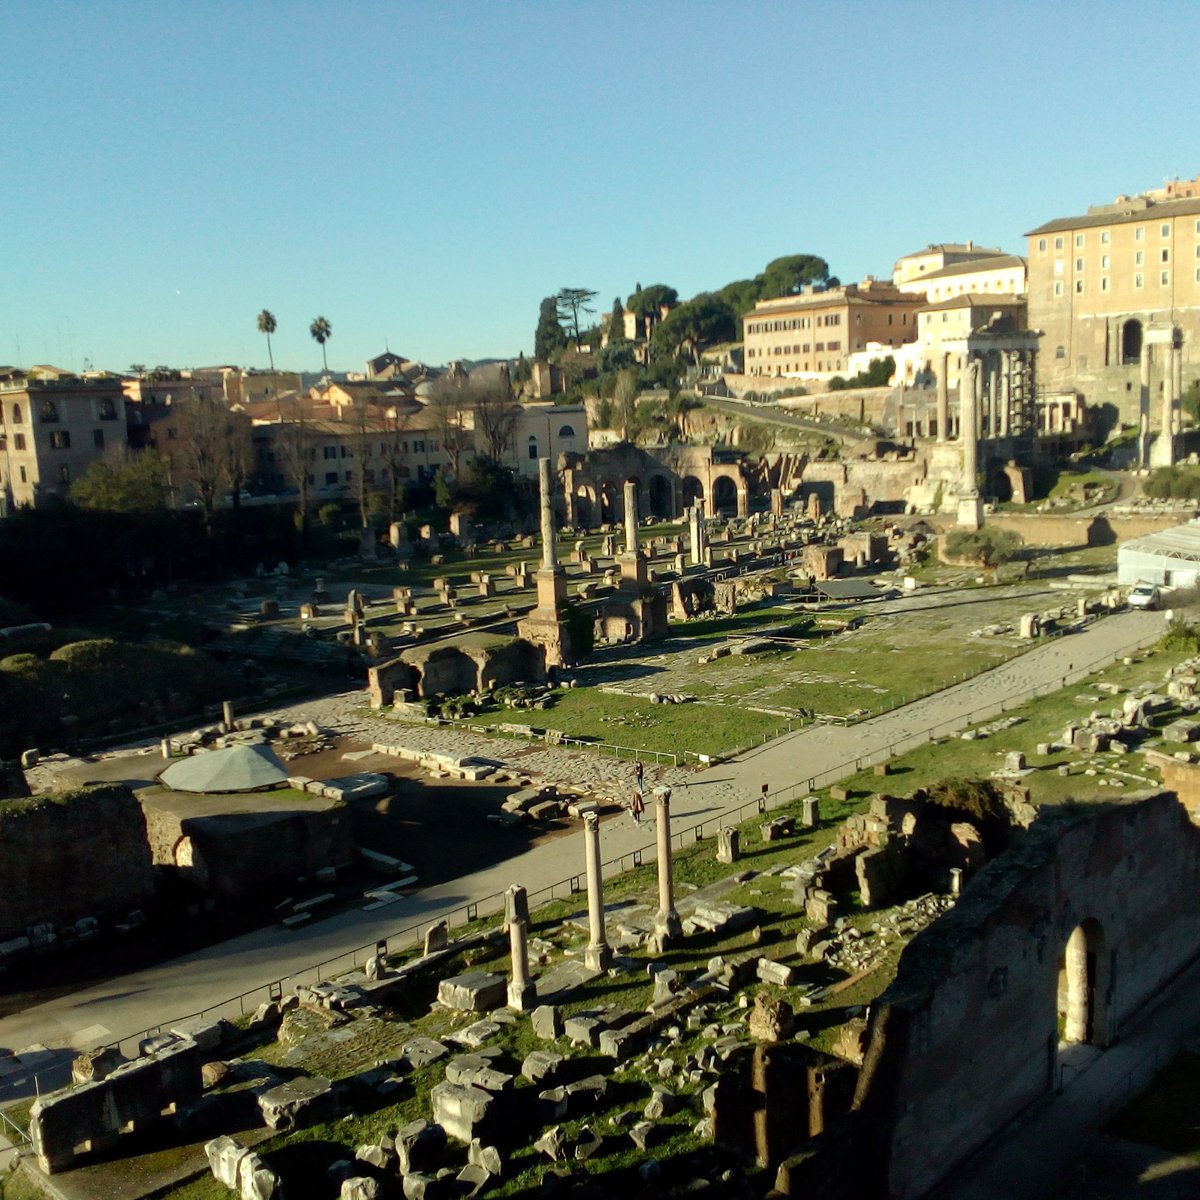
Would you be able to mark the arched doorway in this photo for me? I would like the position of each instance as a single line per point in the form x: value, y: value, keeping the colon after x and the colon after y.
x: 1131, y: 341
x: 693, y: 490
x: 608, y: 503
x: 584, y: 514
x: 660, y: 496
x: 1083, y: 982
x: 724, y: 495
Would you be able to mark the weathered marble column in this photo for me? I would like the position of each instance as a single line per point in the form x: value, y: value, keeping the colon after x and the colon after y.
x: 1178, y: 375
x: 696, y: 532
x: 598, y: 954
x: 943, y: 398
x: 993, y: 375
x: 631, y: 518
x: 549, y: 543
x: 667, y: 927
x: 968, y: 422
x: 1005, y: 392
x: 1144, y: 405
x: 522, y: 994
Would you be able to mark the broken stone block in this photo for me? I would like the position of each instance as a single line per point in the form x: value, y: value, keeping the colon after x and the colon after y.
x: 542, y: 1066
x: 547, y: 1022
x: 587, y: 1143
x: 552, y: 1143
x: 96, y: 1064
x: 224, y: 1158
x: 780, y: 974
x: 360, y: 1187
x: 770, y: 1020
x: 419, y: 1147
x: 465, y: 1113
x: 472, y: 1179
x: 375, y: 1156
x: 487, y: 1157
x: 584, y: 1095
x: 421, y: 1051
x: 256, y: 1181
x: 662, y: 1103
x: 644, y: 1134
x: 297, y: 1102
x: 476, y: 991
x: 582, y: 1029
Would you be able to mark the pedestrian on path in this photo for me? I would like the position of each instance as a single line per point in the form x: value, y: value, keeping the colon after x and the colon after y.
x: 637, y: 806
x: 639, y: 774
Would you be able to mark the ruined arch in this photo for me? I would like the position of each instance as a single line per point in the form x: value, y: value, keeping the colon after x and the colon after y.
x: 693, y: 490
x: 659, y: 489
x: 610, y: 502
x: 1083, y: 982
x: 1131, y: 341
x: 725, y: 495
x: 585, y: 508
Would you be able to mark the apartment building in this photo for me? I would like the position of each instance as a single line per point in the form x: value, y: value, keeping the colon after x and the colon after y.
x: 53, y: 425
x: 812, y: 334
x: 911, y: 269
x: 996, y: 275
x: 1105, y: 284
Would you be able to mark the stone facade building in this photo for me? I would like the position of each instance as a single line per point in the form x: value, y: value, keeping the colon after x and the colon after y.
x: 815, y: 332
x: 1100, y: 284
x: 53, y: 425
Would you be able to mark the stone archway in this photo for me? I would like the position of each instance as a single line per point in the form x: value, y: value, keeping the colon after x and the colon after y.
x: 1083, y: 987
x: 610, y: 503
x: 585, y: 506
x: 693, y: 490
x: 659, y: 489
x: 1131, y: 341
x: 725, y: 496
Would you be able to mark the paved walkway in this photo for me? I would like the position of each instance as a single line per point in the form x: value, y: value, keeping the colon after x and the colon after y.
x: 142, y: 999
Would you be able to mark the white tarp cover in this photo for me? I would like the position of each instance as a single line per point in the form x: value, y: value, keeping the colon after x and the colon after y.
x: 234, y: 769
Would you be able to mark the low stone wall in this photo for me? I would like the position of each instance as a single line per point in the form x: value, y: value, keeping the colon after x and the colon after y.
x: 72, y: 855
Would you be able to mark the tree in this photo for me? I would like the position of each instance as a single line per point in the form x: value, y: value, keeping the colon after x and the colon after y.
x: 495, y: 413
x: 573, y: 303
x: 616, y: 322
x: 647, y: 305
x: 741, y: 295
x: 549, y: 337
x: 787, y: 275
x: 295, y: 450
x: 321, y: 331
x: 450, y: 405
x: 128, y: 481
x: 396, y: 421
x: 624, y: 403
x: 266, y: 324
x: 703, y: 321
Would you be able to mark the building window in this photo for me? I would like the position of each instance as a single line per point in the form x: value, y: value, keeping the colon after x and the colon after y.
x: 330, y: 477
x: 1137, y: 281
x: 18, y: 441
x: 24, y: 475
x: 1041, y: 245
x: 328, y: 452
x: 98, y: 438
x: 1058, y: 243
x: 108, y: 410
x: 1104, y: 283
x: 1164, y: 231
x: 419, y: 446
x: 64, y: 473
x: 1104, y: 262
x: 533, y: 447
x: 1078, y: 241
x: 1079, y: 264
x: 1139, y: 257
x: 1104, y: 237
x: 1164, y: 255
x: 1058, y: 288
x: 1079, y: 287
x: 60, y: 439
x: 48, y: 413
x: 1060, y: 352
x: 1164, y: 277
x: 1139, y: 234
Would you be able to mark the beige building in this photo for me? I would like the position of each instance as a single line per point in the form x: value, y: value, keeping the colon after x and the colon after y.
x: 912, y: 268
x: 1104, y: 286
x: 813, y: 334
x: 53, y: 425
x: 997, y: 275
x: 545, y: 431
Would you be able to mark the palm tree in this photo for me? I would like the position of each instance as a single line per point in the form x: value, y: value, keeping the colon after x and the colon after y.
x: 266, y: 324
x: 322, y: 331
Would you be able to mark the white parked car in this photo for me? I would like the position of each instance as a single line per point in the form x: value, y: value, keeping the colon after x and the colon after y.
x: 1143, y: 595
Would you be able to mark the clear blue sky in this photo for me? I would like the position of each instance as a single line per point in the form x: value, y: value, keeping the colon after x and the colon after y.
x: 425, y: 173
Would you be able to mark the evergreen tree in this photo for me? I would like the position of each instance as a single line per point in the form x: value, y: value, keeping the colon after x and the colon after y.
x: 549, y: 338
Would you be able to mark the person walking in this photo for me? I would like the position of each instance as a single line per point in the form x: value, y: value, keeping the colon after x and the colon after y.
x: 637, y: 806
x: 639, y: 774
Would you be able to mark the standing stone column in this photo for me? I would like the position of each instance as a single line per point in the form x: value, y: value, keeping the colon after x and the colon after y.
x: 631, y: 518
x: 1167, y: 454
x: 1005, y: 392
x: 598, y: 955
x: 943, y: 398
x: 1144, y: 402
x: 522, y: 994
x: 545, y: 488
x: 696, y: 532
x: 968, y: 422
x: 1177, y: 374
x: 667, y: 927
